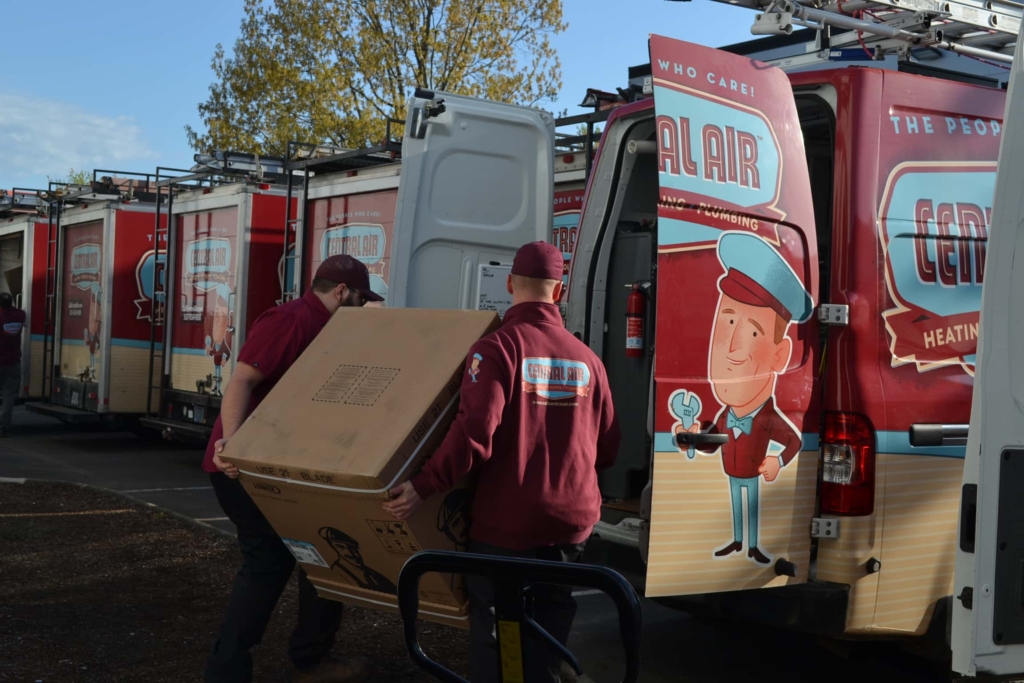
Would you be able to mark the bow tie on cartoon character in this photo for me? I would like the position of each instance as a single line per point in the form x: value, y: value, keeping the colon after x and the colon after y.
x: 759, y: 297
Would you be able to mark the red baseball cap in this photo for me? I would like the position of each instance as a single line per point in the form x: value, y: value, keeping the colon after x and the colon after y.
x: 347, y: 270
x: 541, y: 260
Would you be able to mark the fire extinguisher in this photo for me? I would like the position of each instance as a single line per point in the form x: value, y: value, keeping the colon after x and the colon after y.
x: 635, y: 307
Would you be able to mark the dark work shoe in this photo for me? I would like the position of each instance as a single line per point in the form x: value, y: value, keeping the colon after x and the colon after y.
x: 758, y: 556
x: 734, y: 547
x: 335, y: 670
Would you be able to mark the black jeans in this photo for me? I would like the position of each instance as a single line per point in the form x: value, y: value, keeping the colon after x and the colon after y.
x: 554, y: 609
x: 267, y: 566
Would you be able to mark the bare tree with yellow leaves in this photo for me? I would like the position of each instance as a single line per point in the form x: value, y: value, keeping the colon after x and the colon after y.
x: 332, y: 71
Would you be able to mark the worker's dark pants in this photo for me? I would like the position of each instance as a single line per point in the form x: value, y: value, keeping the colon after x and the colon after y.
x: 10, y: 383
x: 554, y: 609
x: 267, y: 566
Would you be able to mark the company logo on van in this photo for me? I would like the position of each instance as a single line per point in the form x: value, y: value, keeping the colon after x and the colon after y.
x: 269, y: 488
x: 85, y: 266
x: 144, y: 271
x: 555, y: 378
x: 368, y: 243
x: 716, y: 149
x: 933, y: 225
x: 208, y: 263
x: 364, y: 242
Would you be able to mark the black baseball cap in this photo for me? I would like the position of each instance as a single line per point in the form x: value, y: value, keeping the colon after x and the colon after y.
x: 347, y: 270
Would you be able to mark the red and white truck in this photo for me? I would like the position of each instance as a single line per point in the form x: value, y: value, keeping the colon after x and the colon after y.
x: 96, y: 335
x: 23, y: 227
x: 219, y: 267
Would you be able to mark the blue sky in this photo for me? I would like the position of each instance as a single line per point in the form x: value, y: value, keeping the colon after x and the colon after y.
x: 112, y: 86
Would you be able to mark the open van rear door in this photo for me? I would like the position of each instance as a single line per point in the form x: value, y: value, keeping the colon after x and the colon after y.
x: 737, y: 338
x: 988, y: 610
x: 477, y: 181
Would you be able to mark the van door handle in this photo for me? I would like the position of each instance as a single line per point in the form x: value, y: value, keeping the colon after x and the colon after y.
x: 924, y: 435
x: 701, y: 439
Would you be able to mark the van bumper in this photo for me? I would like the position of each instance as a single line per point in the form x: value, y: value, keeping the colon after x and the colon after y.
x: 818, y: 607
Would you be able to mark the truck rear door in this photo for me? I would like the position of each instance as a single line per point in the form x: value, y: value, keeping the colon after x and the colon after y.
x: 988, y: 612
x: 477, y: 181
x: 737, y: 339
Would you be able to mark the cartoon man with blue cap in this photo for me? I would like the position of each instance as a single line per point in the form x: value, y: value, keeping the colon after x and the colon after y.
x: 760, y: 296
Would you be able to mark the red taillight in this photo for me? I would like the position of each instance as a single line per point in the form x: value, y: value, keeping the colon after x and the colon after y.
x: 568, y: 158
x: 263, y: 186
x: 848, y: 465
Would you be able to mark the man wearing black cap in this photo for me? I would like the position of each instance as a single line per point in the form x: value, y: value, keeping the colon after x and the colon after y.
x: 12, y: 321
x: 536, y: 422
x: 276, y: 340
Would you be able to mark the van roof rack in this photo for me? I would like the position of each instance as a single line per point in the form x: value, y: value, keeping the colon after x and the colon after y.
x: 982, y: 29
x: 224, y: 167
x: 106, y: 185
x: 312, y: 157
x: 22, y: 201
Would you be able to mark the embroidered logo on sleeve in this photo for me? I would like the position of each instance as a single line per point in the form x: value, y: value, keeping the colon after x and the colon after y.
x: 555, y: 378
x: 474, y: 368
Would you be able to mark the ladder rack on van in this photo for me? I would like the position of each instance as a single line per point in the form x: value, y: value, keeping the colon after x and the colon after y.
x: 982, y: 29
x: 22, y: 201
x: 210, y: 170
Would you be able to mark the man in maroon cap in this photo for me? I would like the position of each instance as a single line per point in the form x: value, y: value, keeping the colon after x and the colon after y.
x: 276, y: 340
x: 536, y: 422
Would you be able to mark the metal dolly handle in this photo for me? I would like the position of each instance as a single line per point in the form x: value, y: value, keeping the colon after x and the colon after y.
x: 513, y: 579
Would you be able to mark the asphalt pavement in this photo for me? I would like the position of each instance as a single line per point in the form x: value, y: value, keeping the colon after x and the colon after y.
x: 677, y: 646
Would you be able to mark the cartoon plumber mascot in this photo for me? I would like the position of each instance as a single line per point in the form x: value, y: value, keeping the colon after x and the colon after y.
x: 218, y: 336
x: 759, y: 296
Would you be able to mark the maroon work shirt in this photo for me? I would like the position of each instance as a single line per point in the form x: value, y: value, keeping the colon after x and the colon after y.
x: 536, y: 421
x: 12, y: 322
x: 276, y: 340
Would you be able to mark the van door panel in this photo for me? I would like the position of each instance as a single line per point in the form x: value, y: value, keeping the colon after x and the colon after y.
x: 477, y: 183
x: 737, y: 337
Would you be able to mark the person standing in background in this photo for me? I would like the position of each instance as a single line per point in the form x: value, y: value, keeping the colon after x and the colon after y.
x: 12, y: 322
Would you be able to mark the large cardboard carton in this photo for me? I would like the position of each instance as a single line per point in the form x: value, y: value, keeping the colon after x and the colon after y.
x: 360, y: 411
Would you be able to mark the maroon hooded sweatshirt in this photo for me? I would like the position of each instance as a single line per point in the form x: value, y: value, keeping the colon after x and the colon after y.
x: 536, y: 421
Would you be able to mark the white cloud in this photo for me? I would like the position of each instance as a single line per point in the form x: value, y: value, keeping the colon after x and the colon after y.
x: 40, y: 137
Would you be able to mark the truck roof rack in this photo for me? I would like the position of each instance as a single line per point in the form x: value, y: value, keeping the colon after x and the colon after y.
x: 982, y: 29
x: 224, y: 167
x: 22, y: 201
x: 105, y: 185
x: 312, y: 157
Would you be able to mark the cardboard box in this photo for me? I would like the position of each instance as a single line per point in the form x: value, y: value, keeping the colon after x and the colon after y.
x: 360, y: 412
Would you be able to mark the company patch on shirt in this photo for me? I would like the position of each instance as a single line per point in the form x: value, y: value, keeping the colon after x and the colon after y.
x: 555, y: 378
x: 12, y: 328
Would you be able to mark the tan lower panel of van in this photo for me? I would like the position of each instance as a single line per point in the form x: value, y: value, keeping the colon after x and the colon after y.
x: 692, y: 518
x: 74, y: 358
x: 128, y: 368
x: 35, y: 369
x: 187, y: 369
x: 913, y: 532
